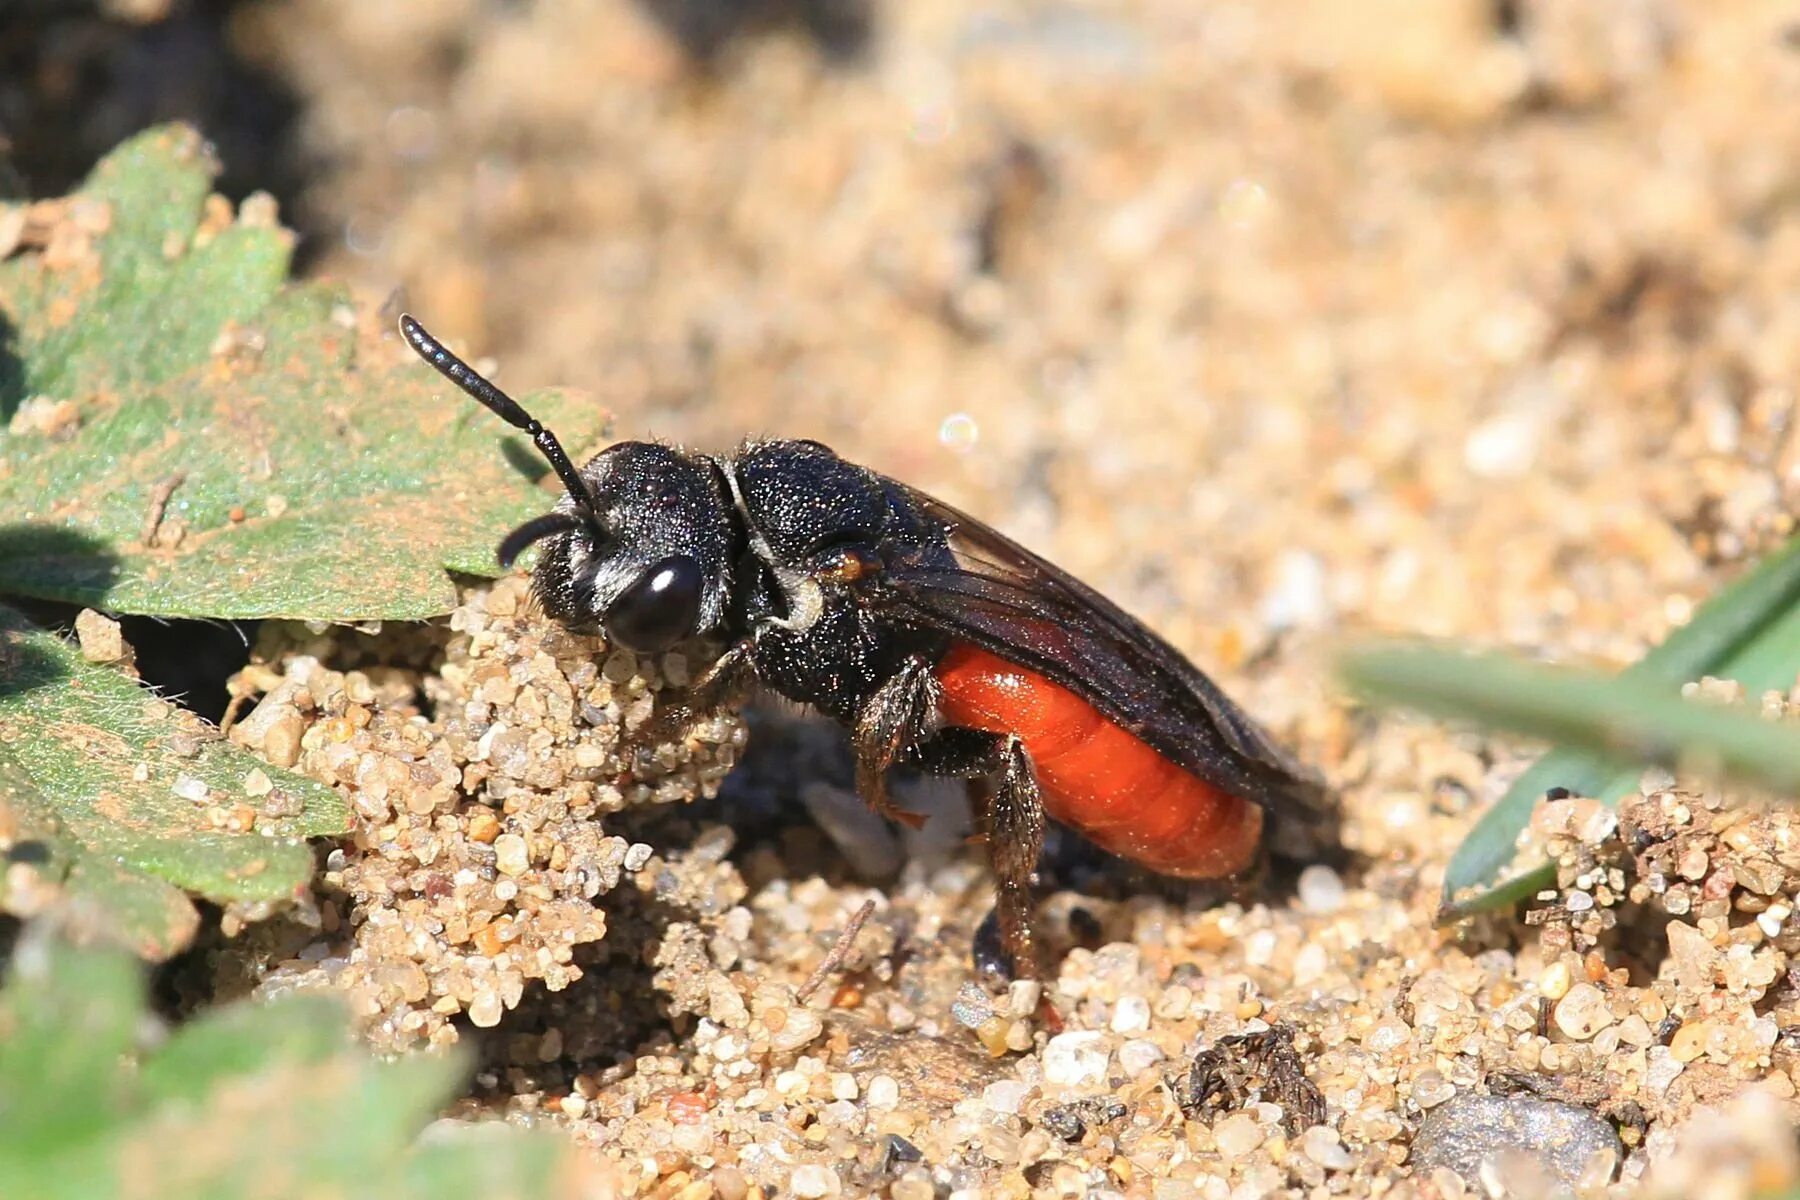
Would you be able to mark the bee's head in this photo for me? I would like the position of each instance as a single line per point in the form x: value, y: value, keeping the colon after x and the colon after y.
x: 638, y: 547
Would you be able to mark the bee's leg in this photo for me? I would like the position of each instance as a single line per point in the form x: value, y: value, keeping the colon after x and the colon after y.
x: 1009, y: 817
x: 726, y: 680
x: 895, y: 721
x: 720, y: 686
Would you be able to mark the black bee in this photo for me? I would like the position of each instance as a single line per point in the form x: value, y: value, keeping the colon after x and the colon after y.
x: 940, y: 643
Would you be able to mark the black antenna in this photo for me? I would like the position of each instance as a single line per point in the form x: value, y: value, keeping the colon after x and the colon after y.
x: 503, y: 406
x: 533, y: 532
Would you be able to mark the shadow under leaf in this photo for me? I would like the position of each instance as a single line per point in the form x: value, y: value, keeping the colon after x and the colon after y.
x: 54, y: 562
x: 24, y: 665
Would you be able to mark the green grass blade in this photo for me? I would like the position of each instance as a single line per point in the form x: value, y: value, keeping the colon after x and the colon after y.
x: 1615, y: 717
x: 1749, y: 632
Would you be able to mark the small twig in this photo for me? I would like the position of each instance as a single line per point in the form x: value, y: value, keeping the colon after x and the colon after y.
x: 834, y: 958
x: 159, y: 501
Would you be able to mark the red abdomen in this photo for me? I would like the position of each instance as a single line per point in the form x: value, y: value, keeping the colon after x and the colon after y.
x: 1100, y: 779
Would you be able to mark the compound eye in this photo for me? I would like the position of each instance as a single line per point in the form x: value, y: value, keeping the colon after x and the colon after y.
x: 660, y: 607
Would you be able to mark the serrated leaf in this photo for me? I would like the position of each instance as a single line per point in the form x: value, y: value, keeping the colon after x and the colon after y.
x: 232, y: 446
x: 257, y: 1099
x: 89, y: 765
x: 1749, y: 631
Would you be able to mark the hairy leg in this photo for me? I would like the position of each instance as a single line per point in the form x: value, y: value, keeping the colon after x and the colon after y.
x: 1009, y: 817
x: 900, y: 716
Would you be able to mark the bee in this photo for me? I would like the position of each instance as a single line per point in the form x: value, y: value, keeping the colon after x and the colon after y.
x: 939, y: 643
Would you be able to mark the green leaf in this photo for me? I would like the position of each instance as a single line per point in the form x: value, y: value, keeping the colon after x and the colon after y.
x: 232, y: 446
x: 89, y: 766
x: 243, y: 1040
x: 257, y: 1099
x: 67, y: 1021
x: 1749, y: 632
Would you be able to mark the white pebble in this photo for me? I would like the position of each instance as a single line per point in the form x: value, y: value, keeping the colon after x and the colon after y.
x: 813, y: 1181
x: 1131, y: 1015
x: 485, y: 1009
x: 190, y: 788
x: 838, y: 1112
x: 1298, y: 594
x: 1503, y: 446
x: 883, y: 1092
x: 1322, y: 1146
x: 1075, y: 1059
x: 1237, y: 1135
x: 1431, y: 1089
x: 1321, y: 889
x: 637, y: 856
x: 1005, y: 1096
x: 1138, y: 1056
x: 803, y: 1025
x: 1023, y: 997
x: 843, y: 1086
x: 1555, y: 980
x: 1387, y: 1036
x: 1583, y: 1012
x: 511, y: 855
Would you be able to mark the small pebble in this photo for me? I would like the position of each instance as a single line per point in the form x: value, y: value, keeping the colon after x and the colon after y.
x: 1131, y: 1015
x: 1237, y: 1135
x: 1473, y: 1129
x: 1321, y: 889
x: 636, y: 856
x: 281, y: 740
x: 896, y: 1151
x: 1555, y: 980
x: 1023, y: 997
x: 1431, y: 1089
x: 511, y: 855
x: 883, y: 1092
x: 813, y: 1181
x: 1320, y: 1143
x: 1582, y: 1012
x: 485, y: 1010
x: 484, y: 826
x: 1005, y: 1096
x: 801, y: 1027
x: 101, y: 638
x: 190, y: 788
x: 1689, y: 1042
x: 972, y: 1007
x: 1138, y: 1056
x: 1075, y: 1059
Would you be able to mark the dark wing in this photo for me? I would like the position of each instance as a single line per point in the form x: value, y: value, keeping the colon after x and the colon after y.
x: 1012, y: 603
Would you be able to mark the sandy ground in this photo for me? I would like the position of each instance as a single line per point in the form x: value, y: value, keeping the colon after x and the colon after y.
x: 1275, y: 322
